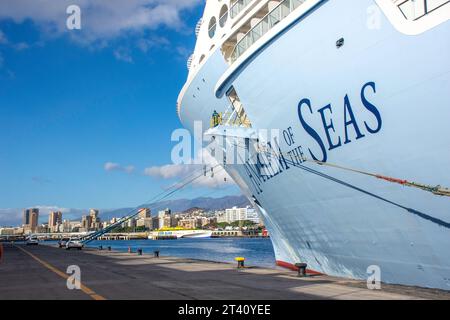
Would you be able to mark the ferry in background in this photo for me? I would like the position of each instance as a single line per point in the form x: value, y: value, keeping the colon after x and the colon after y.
x: 178, y: 233
x: 359, y: 92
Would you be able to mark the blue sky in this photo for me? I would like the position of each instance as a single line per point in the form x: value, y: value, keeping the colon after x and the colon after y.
x: 84, y: 112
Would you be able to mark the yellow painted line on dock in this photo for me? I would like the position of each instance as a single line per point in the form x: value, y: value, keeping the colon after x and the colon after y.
x: 83, y: 288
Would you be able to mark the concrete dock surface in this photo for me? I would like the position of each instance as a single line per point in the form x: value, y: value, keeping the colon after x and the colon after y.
x: 39, y: 272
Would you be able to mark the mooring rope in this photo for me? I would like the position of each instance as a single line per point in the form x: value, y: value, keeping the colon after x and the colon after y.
x: 436, y: 190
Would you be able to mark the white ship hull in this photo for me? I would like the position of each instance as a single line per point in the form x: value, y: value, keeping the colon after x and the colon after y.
x: 380, y: 104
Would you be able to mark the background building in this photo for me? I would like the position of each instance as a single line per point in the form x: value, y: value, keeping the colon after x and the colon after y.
x: 8, y: 231
x: 144, y: 213
x: 54, y: 221
x: 30, y: 219
x: 238, y: 214
x: 86, y: 222
x: 130, y: 223
x: 95, y: 220
x: 144, y: 218
x: 165, y: 219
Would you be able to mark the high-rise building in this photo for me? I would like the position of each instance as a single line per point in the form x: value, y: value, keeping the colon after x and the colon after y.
x: 54, y: 220
x: 252, y: 215
x: 131, y: 223
x: 27, y: 213
x: 86, y: 222
x: 157, y: 223
x: 165, y: 212
x: 93, y: 213
x: 144, y: 218
x: 26, y: 217
x: 95, y: 220
x: 238, y: 214
x: 34, y: 220
x: 166, y: 220
x: 144, y: 213
x: 67, y: 226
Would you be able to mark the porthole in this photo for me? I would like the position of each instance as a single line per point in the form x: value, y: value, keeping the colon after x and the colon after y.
x: 223, y: 16
x: 201, y: 59
x: 212, y: 27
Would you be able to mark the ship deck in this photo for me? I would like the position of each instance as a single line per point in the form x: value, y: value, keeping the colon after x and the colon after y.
x: 39, y: 272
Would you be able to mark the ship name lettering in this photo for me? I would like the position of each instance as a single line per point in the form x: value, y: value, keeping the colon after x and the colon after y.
x: 351, y: 127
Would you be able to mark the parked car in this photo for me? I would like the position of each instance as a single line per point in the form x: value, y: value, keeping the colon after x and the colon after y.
x: 74, y: 244
x: 62, y: 243
x: 32, y: 242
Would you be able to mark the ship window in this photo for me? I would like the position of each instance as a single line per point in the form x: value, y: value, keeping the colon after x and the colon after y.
x: 201, y: 58
x: 212, y: 27
x: 223, y: 15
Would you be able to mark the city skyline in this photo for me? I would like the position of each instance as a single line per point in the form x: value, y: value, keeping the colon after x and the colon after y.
x: 16, y: 215
x: 140, y: 220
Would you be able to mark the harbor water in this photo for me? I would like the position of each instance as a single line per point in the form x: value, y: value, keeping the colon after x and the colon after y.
x: 257, y: 251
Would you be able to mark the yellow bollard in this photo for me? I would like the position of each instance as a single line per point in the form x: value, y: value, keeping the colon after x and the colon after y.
x: 240, y: 261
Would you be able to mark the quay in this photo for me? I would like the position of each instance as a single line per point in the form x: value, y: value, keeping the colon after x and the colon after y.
x: 39, y: 272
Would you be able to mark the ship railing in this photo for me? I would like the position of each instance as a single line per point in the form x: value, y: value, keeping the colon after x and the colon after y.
x: 198, y: 26
x: 417, y: 9
x: 280, y: 12
x: 238, y: 6
x: 230, y: 117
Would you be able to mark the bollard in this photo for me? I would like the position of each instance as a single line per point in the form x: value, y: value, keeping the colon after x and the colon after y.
x: 156, y: 253
x: 240, y: 262
x: 100, y: 248
x: 301, y: 269
x: 139, y: 251
x: 109, y: 248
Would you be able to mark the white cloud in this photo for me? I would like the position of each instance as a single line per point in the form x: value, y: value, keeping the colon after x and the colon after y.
x: 112, y: 166
x: 145, y: 44
x: 123, y: 54
x: 216, y: 178
x: 170, y: 171
x: 103, y: 19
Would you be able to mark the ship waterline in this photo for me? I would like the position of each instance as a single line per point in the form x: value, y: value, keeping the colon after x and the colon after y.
x: 363, y: 169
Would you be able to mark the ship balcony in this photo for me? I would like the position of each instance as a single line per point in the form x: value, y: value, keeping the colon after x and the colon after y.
x: 238, y: 6
x: 260, y: 24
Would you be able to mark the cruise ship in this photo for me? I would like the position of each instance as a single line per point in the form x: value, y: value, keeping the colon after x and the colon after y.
x: 333, y: 117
